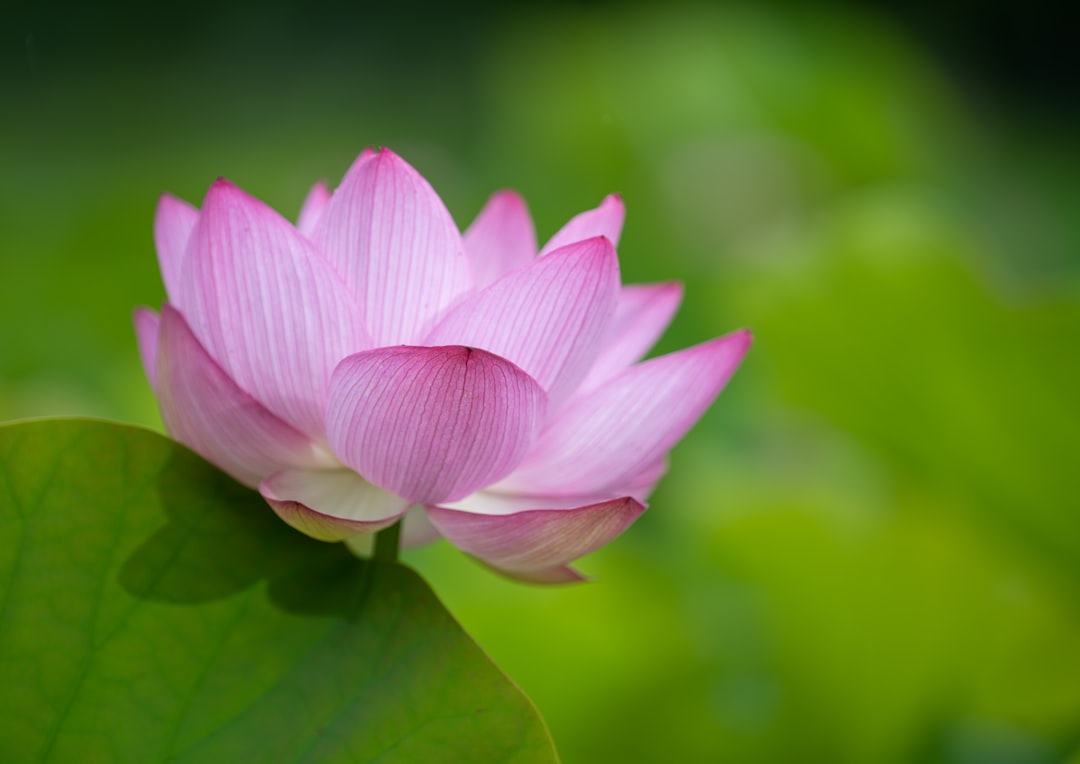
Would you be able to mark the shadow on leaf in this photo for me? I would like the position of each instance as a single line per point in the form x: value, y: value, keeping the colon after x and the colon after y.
x: 221, y: 539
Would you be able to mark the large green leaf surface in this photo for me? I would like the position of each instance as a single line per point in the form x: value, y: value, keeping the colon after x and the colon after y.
x: 151, y: 609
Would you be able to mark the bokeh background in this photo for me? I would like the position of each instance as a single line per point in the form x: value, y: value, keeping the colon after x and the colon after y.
x: 869, y: 550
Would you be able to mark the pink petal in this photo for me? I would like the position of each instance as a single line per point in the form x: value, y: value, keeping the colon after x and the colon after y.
x: 267, y: 307
x: 533, y: 544
x: 205, y: 410
x: 605, y: 439
x: 642, y: 485
x: 606, y: 220
x: 548, y: 318
x: 313, y: 208
x: 641, y: 316
x: 416, y: 530
x: 432, y: 423
x: 501, y: 239
x: 173, y: 223
x: 331, y: 505
x: 396, y: 247
x: 146, y: 336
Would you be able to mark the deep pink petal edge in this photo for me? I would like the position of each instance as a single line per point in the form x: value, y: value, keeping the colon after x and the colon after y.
x: 536, y: 544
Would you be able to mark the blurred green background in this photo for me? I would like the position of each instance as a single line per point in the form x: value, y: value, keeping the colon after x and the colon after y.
x: 869, y: 550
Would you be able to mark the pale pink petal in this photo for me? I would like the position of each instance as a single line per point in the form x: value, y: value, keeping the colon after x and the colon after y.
x: 313, y: 208
x: 390, y: 237
x: 606, y: 220
x: 501, y: 239
x: 146, y: 336
x: 205, y: 410
x: 267, y: 307
x: 432, y: 423
x: 603, y: 439
x: 173, y: 223
x: 548, y: 318
x: 641, y: 316
x: 416, y: 530
x: 642, y: 485
x: 331, y: 505
x: 534, y: 544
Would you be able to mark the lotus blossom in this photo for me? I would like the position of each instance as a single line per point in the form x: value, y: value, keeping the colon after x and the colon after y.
x: 372, y: 363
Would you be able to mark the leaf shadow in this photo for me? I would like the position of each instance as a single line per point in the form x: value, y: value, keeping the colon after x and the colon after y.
x: 221, y: 538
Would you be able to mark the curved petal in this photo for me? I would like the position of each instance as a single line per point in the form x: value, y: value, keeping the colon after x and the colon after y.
x: 606, y: 220
x: 501, y: 239
x: 398, y: 250
x: 331, y: 505
x: 641, y: 316
x: 267, y: 307
x: 533, y: 544
x: 605, y: 439
x: 548, y: 318
x: 313, y: 207
x: 432, y: 423
x: 205, y: 410
x: 146, y: 336
x: 173, y: 224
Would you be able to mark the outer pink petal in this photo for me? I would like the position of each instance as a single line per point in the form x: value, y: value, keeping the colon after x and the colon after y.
x: 397, y: 248
x: 534, y: 544
x: 173, y: 223
x: 331, y: 505
x: 641, y: 316
x: 432, y: 423
x: 548, y: 318
x: 501, y: 239
x: 312, y: 209
x: 267, y: 307
x: 605, y: 439
x: 606, y: 220
x: 204, y: 409
x: 146, y: 336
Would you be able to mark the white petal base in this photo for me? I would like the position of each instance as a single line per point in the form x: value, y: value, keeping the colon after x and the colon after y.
x: 331, y: 505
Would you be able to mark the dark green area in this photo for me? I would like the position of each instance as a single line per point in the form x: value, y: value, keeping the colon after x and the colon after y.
x: 152, y: 610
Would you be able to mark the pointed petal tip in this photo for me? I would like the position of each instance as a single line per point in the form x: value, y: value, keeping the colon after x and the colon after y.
x: 509, y: 196
x: 168, y: 201
x: 605, y: 219
x: 141, y: 312
x: 740, y: 339
x: 221, y: 188
x: 600, y: 247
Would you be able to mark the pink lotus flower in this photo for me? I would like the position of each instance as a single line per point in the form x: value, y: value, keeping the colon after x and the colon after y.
x: 372, y: 363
